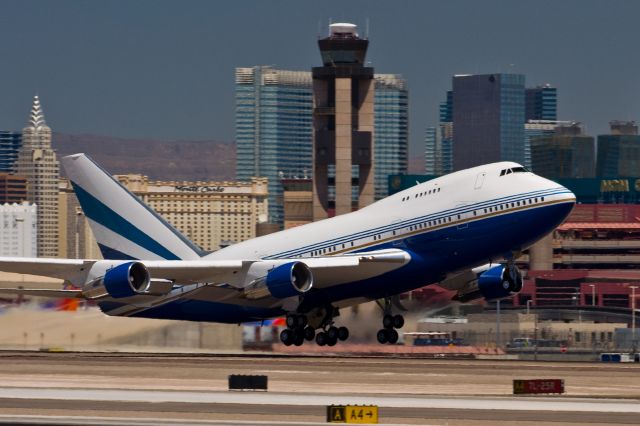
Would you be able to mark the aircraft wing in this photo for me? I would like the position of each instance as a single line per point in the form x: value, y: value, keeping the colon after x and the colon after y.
x: 327, y: 271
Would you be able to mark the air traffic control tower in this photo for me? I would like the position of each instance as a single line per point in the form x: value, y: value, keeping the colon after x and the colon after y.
x: 343, y: 123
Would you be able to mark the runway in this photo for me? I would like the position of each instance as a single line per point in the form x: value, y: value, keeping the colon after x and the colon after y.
x: 38, y: 388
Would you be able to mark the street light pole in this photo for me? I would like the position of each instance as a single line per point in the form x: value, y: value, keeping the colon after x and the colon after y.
x: 498, y: 323
x: 633, y: 315
x: 593, y: 295
x: 528, y: 304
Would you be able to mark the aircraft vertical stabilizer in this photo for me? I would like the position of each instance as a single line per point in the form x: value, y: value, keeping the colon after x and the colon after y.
x: 124, y: 227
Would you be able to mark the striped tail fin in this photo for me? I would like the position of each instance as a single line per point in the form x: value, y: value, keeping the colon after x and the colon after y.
x: 124, y: 227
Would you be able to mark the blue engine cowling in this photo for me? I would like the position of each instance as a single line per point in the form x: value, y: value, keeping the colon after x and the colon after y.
x: 126, y: 280
x: 283, y: 281
x: 499, y: 282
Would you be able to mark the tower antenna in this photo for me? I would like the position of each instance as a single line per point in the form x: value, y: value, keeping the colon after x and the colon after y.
x: 366, y: 31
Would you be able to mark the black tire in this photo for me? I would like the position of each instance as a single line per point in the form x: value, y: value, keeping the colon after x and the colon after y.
x: 302, y: 321
x: 387, y: 321
x: 309, y: 333
x: 343, y: 333
x: 392, y: 336
x: 298, y: 339
x: 382, y: 336
x: 321, y: 338
x: 332, y: 342
x: 398, y: 321
x: 286, y: 337
x: 292, y: 321
x: 332, y: 333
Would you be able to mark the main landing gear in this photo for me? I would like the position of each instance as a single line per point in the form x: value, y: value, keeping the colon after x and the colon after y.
x: 389, y: 334
x: 302, y: 327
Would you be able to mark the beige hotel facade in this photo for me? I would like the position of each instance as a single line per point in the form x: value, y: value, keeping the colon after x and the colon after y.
x: 211, y: 214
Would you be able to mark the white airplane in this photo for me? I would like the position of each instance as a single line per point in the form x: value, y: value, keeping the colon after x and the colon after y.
x: 450, y: 230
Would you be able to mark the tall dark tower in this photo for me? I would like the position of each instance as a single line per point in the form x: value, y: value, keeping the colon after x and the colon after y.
x: 343, y: 123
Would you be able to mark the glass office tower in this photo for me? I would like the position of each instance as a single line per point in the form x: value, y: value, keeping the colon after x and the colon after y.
x: 488, y: 119
x: 273, y: 128
x: 391, y: 135
x: 10, y: 143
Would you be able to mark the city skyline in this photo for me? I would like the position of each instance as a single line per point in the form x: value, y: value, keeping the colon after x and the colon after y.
x: 130, y: 70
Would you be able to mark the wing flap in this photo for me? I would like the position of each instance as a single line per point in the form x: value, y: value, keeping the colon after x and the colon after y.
x: 55, y: 268
x: 67, y: 294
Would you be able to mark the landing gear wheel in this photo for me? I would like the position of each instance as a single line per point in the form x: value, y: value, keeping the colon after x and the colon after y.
x: 392, y: 336
x: 292, y: 321
x: 387, y: 321
x: 382, y: 336
x: 332, y: 333
x: 332, y: 341
x: 398, y: 321
x: 286, y: 337
x: 343, y: 333
x: 321, y: 338
x: 309, y: 333
x: 298, y: 338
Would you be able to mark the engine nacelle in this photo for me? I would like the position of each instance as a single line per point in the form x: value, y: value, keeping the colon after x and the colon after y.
x: 496, y: 283
x: 288, y: 280
x: 123, y: 280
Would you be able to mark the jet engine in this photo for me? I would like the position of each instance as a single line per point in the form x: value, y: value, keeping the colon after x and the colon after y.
x: 495, y: 283
x: 126, y: 280
x: 287, y: 280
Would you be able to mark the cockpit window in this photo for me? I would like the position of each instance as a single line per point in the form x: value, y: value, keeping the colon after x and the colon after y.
x: 513, y: 170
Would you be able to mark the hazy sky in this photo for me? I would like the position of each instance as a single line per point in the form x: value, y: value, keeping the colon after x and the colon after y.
x: 165, y: 69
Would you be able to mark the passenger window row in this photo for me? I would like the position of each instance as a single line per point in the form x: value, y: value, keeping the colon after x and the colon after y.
x: 432, y: 223
x: 422, y: 194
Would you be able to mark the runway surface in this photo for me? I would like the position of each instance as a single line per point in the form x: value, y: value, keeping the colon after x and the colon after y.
x: 110, y: 389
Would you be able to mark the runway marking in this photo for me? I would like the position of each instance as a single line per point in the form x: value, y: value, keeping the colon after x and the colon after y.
x: 271, y: 398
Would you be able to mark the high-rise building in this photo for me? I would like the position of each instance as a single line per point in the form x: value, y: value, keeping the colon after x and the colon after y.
x: 13, y: 189
x: 568, y: 153
x: 10, y: 143
x: 18, y: 230
x: 439, y: 141
x: 391, y: 135
x: 38, y: 164
x: 488, y: 119
x: 343, y: 123
x: 619, y: 152
x: 539, y: 129
x: 274, y: 115
x: 273, y: 128
x: 541, y: 103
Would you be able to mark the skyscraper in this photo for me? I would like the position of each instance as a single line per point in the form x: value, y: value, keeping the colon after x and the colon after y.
x: 391, y: 135
x: 568, y: 153
x: 537, y: 129
x: 10, y: 143
x: 488, y: 119
x: 541, y: 103
x: 619, y: 152
x: 273, y: 128
x: 343, y: 123
x: 439, y: 141
x: 274, y: 114
x: 38, y: 164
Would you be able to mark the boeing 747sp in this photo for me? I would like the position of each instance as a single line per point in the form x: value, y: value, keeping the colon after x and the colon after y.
x: 461, y: 230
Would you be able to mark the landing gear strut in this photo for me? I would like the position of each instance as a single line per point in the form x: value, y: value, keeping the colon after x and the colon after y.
x: 390, y: 323
x: 301, y: 327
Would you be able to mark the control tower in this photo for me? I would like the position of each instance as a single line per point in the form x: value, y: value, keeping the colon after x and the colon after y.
x: 343, y: 123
